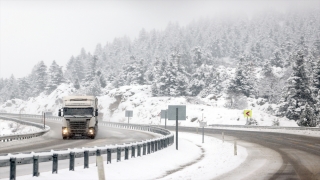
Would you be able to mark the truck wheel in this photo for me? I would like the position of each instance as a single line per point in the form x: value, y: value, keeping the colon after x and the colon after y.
x: 64, y: 137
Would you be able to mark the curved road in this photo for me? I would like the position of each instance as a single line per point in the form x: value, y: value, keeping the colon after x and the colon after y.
x: 271, y: 155
x: 53, y: 140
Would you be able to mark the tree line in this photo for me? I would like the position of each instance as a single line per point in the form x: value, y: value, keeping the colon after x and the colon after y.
x: 274, y: 56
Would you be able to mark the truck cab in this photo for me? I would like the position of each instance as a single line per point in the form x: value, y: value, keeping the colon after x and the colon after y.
x: 80, y: 116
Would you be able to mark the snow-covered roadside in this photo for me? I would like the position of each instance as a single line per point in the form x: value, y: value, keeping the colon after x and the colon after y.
x: 146, y: 109
x: 11, y: 128
x: 193, y: 160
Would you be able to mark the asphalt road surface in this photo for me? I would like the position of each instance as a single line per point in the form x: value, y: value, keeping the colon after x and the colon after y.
x: 53, y: 140
x: 271, y: 155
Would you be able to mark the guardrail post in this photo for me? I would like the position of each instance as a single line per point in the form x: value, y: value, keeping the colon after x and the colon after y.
x: 158, y: 142
x: 144, y: 149
x: 35, y: 166
x: 118, y: 154
x: 139, y: 149
x: 108, y: 156
x: 148, y: 147
x: 133, y: 151
x: 55, y: 163
x: 86, y: 159
x: 12, y: 169
x: 126, y: 153
x: 156, y: 145
x: 71, y: 161
x: 152, y: 146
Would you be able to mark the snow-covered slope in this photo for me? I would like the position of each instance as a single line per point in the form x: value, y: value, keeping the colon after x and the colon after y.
x: 146, y: 109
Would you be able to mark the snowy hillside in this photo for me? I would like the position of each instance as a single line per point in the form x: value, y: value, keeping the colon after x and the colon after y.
x: 146, y: 109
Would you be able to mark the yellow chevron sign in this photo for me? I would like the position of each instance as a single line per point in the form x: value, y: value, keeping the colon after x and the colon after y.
x: 247, y: 113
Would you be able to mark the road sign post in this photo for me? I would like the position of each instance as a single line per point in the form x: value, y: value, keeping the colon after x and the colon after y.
x: 177, y: 112
x: 164, y: 114
x: 129, y: 113
x: 203, y: 124
x: 247, y: 113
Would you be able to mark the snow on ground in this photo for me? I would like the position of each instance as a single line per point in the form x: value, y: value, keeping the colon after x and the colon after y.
x: 11, y: 128
x: 146, y: 109
x: 193, y: 160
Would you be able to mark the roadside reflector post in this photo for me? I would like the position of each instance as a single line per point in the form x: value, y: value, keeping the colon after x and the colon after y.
x: 44, y: 120
x: 100, y: 168
x: 203, y: 134
x: 71, y: 161
x: 55, y: 163
x: 35, y: 166
x: 235, y: 148
x: 223, y: 137
x: 98, y: 153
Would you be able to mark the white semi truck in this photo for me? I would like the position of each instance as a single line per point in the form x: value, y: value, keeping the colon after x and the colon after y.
x: 80, y: 116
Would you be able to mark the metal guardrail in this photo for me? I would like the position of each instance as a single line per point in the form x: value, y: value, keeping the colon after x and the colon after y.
x: 267, y: 127
x: 25, y: 135
x: 137, y: 149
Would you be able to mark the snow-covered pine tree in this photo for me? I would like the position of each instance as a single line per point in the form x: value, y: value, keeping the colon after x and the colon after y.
x: 196, y: 83
x: 76, y: 84
x: 299, y: 92
x: 316, y: 76
x: 269, y: 86
x: 55, y: 77
x: 40, y: 77
x: 136, y: 75
x: 308, y: 116
x: 24, y: 87
x: 277, y: 60
x: 240, y: 83
x: 102, y: 79
x: 91, y: 69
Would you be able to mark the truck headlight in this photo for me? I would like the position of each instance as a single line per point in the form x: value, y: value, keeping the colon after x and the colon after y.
x: 91, y: 131
x: 65, y: 131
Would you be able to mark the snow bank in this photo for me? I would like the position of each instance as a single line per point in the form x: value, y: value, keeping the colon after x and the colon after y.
x: 193, y: 160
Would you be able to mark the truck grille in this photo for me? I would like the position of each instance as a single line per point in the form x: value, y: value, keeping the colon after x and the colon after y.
x: 78, y: 127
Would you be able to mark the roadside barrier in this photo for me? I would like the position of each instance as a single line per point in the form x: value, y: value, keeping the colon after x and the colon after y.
x: 8, y: 138
x: 147, y: 146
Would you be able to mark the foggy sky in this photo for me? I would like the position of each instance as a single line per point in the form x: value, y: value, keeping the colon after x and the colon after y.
x: 34, y: 30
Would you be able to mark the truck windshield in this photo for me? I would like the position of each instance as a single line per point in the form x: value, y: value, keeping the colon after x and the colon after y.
x: 78, y: 111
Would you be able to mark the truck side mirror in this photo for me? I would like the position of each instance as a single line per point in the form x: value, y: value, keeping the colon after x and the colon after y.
x: 96, y: 113
x: 59, y: 114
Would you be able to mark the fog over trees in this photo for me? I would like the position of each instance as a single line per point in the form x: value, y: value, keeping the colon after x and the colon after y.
x: 275, y: 56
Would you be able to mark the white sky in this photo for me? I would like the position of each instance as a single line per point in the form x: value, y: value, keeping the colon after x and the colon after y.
x: 34, y: 30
